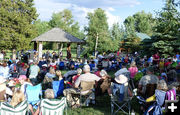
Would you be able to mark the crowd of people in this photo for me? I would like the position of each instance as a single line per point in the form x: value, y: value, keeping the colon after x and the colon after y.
x: 49, y: 68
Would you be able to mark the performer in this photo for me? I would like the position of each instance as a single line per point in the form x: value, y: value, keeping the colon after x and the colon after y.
x: 69, y: 51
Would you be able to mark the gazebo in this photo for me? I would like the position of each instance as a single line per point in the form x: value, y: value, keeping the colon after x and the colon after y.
x: 55, y: 35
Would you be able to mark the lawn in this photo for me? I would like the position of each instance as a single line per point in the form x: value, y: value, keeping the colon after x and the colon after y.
x: 102, y: 106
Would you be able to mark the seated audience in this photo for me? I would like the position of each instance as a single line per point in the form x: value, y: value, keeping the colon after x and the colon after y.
x: 17, y: 98
x: 150, y: 78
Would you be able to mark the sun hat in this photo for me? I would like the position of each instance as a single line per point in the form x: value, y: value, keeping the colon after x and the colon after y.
x: 21, y: 77
x: 2, y: 80
x: 44, y: 65
x: 121, y: 79
x: 103, y: 73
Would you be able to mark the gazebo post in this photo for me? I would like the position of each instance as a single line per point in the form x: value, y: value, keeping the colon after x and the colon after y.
x: 78, y: 50
x: 40, y: 48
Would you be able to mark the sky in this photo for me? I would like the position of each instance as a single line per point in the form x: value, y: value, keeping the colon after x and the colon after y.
x: 116, y: 10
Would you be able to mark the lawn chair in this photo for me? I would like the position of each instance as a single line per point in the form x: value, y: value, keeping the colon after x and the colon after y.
x: 150, y: 90
x: 20, y: 109
x: 87, y: 92
x: 33, y: 94
x: 156, y: 107
x: 119, y: 99
x: 53, y: 106
x: 58, y: 87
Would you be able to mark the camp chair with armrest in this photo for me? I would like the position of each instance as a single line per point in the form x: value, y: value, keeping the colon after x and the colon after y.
x: 58, y: 87
x: 87, y: 92
x: 20, y: 109
x: 33, y: 94
x: 150, y: 90
x: 121, y: 98
x: 156, y: 107
x: 53, y: 106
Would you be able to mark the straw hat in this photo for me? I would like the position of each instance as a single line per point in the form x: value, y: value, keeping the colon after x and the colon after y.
x: 121, y: 79
x: 103, y: 73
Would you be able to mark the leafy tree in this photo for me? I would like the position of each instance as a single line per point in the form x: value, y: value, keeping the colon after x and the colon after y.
x: 65, y: 21
x: 117, y: 35
x: 41, y: 27
x: 16, y: 23
x: 140, y: 22
x: 165, y: 39
x: 98, y: 35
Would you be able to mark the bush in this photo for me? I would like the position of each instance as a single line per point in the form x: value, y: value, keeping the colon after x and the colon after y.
x: 138, y: 76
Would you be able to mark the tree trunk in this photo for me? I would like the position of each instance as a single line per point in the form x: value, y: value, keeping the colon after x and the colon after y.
x: 96, y: 45
x: 14, y: 54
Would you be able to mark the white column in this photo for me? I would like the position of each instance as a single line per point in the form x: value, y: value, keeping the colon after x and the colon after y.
x: 78, y: 50
x: 40, y: 50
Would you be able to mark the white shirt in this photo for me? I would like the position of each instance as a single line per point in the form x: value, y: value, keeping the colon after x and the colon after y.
x: 4, y: 71
x: 86, y: 77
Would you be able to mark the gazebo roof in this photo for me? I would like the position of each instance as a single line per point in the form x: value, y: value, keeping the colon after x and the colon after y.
x: 57, y: 35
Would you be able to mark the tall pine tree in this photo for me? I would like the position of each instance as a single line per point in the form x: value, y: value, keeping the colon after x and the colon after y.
x: 16, y: 24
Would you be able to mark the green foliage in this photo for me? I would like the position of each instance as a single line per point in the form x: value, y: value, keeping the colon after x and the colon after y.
x: 98, y: 29
x: 16, y: 23
x: 167, y: 30
x: 41, y: 27
x: 138, y: 76
x: 65, y: 21
x: 117, y: 36
x: 140, y: 22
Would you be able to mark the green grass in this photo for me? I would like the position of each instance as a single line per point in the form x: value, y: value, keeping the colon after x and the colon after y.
x: 102, y: 106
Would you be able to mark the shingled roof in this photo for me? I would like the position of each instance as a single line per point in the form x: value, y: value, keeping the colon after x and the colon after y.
x: 57, y: 35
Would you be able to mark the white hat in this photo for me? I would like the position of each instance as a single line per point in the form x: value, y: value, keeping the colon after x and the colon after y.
x: 103, y: 73
x: 2, y: 80
x: 44, y: 65
x: 86, y: 68
x: 121, y: 79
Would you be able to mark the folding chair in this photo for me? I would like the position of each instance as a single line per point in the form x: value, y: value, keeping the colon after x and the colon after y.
x: 150, y: 90
x: 121, y: 101
x: 53, y: 106
x: 33, y: 94
x: 58, y: 87
x: 87, y: 92
x: 20, y: 109
x: 156, y: 107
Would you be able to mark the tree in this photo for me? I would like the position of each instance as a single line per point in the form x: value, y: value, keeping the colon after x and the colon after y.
x: 140, y: 22
x: 65, y: 21
x: 117, y: 35
x: 41, y: 27
x: 16, y: 23
x: 166, y: 37
x: 98, y: 35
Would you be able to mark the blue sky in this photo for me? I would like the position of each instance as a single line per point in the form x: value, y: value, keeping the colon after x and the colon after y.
x: 116, y: 10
